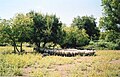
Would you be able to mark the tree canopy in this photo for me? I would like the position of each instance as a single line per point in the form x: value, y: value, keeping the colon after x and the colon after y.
x: 111, y: 18
x: 110, y: 22
x: 74, y: 37
x: 46, y: 28
x: 88, y: 23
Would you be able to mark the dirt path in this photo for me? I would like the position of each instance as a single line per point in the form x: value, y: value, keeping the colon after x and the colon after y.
x: 26, y: 71
x: 62, y: 69
x: 115, y: 61
x: 65, y: 68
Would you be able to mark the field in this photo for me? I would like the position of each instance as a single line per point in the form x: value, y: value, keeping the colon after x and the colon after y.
x: 105, y: 63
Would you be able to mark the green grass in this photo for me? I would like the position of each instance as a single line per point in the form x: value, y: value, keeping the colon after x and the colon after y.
x: 100, y: 65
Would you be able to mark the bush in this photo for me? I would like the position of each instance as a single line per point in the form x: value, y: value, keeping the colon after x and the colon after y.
x: 112, y: 36
x: 101, y: 45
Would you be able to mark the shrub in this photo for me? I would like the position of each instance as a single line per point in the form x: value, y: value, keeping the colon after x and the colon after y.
x: 101, y: 45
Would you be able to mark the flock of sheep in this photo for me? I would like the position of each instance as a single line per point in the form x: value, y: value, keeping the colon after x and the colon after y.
x: 67, y: 52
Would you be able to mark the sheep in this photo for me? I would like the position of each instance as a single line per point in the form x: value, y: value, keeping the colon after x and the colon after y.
x: 65, y: 52
x: 89, y: 52
x: 45, y: 54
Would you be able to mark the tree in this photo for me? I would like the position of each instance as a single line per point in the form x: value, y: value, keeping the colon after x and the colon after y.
x: 110, y: 22
x: 2, y: 39
x: 38, y: 27
x: 74, y: 37
x: 111, y: 18
x: 22, y: 27
x: 54, y: 29
x: 16, y: 30
x: 88, y: 23
x: 7, y: 33
x: 46, y: 28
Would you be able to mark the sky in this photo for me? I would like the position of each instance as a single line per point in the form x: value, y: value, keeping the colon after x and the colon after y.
x: 66, y: 10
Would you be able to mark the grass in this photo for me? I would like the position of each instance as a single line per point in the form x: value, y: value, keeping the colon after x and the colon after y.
x: 104, y: 64
x: 98, y: 66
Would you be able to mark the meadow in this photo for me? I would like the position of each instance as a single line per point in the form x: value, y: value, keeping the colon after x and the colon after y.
x: 105, y: 63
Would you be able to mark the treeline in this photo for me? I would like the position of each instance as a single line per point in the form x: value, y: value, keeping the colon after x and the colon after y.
x: 32, y: 27
x: 40, y: 29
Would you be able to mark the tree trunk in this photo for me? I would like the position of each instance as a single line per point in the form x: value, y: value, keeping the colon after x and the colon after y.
x: 17, y: 48
x: 39, y: 45
x: 14, y: 49
x: 21, y: 47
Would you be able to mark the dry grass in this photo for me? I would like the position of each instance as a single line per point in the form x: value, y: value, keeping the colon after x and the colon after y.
x: 104, y: 64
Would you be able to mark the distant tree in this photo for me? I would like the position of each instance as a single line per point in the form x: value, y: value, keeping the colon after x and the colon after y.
x: 74, y: 37
x: 88, y: 23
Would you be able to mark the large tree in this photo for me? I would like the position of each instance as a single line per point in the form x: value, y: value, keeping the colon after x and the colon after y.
x: 38, y: 27
x: 88, y: 23
x: 111, y: 17
x: 110, y: 22
x: 46, y: 28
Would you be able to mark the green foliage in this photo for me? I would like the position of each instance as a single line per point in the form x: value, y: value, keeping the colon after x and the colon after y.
x: 103, y: 45
x: 4, y: 28
x: 111, y: 39
x: 102, y: 35
x: 22, y: 26
x: 111, y: 20
x: 38, y: 28
x: 33, y: 27
x: 88, y: 23
x: 74, y: 37
x: 54, y: 27
x: 46, y: 28
x: 112, y: 36
x: 108, y: 45
x: 16, y: 30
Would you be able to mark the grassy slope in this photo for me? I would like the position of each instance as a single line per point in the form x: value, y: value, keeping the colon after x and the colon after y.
x: 104, y: 64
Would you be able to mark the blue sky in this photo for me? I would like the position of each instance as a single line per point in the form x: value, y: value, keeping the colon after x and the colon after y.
x: 66, y: 10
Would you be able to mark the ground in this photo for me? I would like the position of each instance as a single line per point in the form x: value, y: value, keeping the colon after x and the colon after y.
x: 105, y: 63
